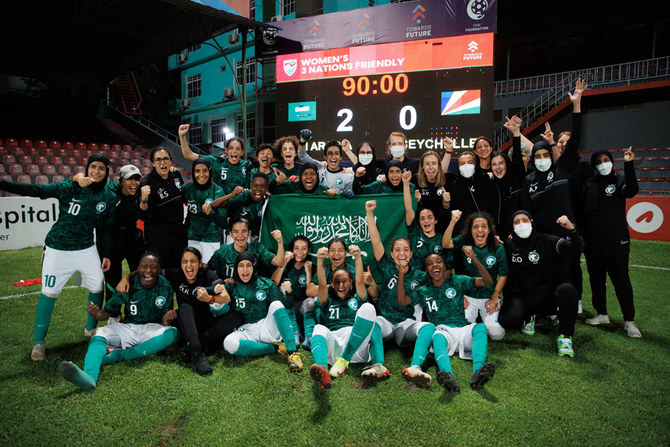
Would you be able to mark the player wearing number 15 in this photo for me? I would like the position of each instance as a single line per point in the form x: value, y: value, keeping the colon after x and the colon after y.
x: 69, y: 246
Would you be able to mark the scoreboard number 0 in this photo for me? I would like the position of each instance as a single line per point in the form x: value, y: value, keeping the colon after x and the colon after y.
x: 407, y: 119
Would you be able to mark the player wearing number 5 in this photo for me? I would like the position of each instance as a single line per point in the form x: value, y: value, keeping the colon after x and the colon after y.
x: 69, y: 246
x: 144, y: 330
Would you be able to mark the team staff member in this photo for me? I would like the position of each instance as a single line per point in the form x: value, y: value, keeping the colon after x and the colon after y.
x: 127, y: 241
x: 331, y: 174
x: 144, y: 330
x: 69, y: 246
x: 162, y: 208
x: 230, y: 169
x: 535, y: 285
x: 606, y: 235
x: 396, y: 149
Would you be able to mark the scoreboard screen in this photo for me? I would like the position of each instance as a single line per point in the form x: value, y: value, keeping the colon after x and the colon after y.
x: 427, y: 89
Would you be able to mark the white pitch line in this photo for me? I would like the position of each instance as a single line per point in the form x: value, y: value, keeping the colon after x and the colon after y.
x: 37, y: 292
x: 649, y: 267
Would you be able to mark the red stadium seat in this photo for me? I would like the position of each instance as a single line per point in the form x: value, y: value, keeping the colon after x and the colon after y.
x: 11, y: 142
x: 81, y: 146
x: 26, y: 143
x: 3, y: 150
x: 15, y: 169
x: 137, y: 154
x: 93, y: 146
x: 24, y: 178
x: 72, y: 161
x: 57, y: 161
x: 76, y: 152
x: 136, y: 162
x: 2, y: 169
x: 116, y: 147
x: 127, y: 147
x: 657, y: 179
x: 113, y: 155
x: 17, y: 151
x: 33, y: 169
x: 6, y: 177
x: 33, y: 151
x: 25, y: 159
x: 49, y: 170
x: 125, y: 154
x: 65, y: 170
x: 78, y: 169
x: 61, y: 152
x: 88, y: 152
x: 104, y: 147
x: 41, y: 179
x: 40, y: 144
x: 48, y: 152
x: 54, y: 145
x: 8, y: 158
x: 68, y: 145
x: 57, y: 178
x: 145, y: 170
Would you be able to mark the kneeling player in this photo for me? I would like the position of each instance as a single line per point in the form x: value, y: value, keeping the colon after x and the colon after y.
x: 443, y: 302
x: 346, y: 329
x: 144, y: 330
x: 266, y: 322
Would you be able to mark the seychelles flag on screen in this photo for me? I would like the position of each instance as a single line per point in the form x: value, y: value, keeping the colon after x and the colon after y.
x: 462, y: 102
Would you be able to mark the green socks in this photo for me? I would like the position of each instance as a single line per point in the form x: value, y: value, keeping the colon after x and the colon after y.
x: 45, y: 307
x: 441, y: 353
x: 479, y: 346
x: 320, y: 350
x: 283, y: 321
x: 86, y: 379
x: 149, y: 347
x: 250, y: 347
x: 376, y: 345
x: 309, y: 322
x: 423, y: 340
x: 360, y: 331
x: 95, y: 298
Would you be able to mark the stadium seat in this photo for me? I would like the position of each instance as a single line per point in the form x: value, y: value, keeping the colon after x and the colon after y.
x: 76, y: 152
x: 33, y: 151
x: 2, y: 169
x: 127, y: 147
x: 41, y: 179
x: 49, y: 152
x: 54, y: 145
x: 104, y: 147
x: 49, y: 170
x: 24, y: 178
x: 93, y: 146
x: 145, y: 170
x: 137, y: 154
x: 113, y: 155
x: 147, y: 162
x: 15, y: 169
x: 61, y: 152
x: 136, y: 162
x: 3, y: 150
x: 88, y: 152
x: 8, y: 158
x: 657, y: 179
x: 116, y: 147
x: 40, y: 144
x: 78, y: 169
x: 11, y: 142
x: 27, y: 144
x: 125, y: 154
x: 57, y: 161
x: 6, y: 177
x: 65, y: 170
x: 17, y: 151
x: 57, y: 178
x: 68, y: 145
x: 73, y: 161
x: 81, y: 146
x: 33, y: 169
x: 26, y: 159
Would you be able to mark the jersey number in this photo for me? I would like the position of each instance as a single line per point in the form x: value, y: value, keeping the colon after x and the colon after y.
x: 334, y: 313
x: 73, y: 208
x: 432, y: 306
x: 240, y: 303
x: 133, y: 309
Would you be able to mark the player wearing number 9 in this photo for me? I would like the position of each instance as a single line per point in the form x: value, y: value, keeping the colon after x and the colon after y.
x: 69, y: 245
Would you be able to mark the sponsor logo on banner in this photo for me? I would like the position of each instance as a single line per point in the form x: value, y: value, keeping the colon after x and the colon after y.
x: 290, y: 66
x: 645, y: 217
x: 418, y: 14
x: 314, y: 27
x: 418, y: 31
x: 363, y: 36
x: 477, y: 9
x: 25, y: 221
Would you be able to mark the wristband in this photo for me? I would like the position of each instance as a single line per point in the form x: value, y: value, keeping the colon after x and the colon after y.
x: 212, y: 301
x: 552, y: 144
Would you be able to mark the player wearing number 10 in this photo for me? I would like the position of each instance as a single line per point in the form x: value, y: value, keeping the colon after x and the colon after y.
x: 69, y: 246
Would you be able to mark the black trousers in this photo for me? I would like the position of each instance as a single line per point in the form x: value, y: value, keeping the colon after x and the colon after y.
x: 562, y: 300
x: 202, y: 331
x: 610, y: 257
x: 168, y: 243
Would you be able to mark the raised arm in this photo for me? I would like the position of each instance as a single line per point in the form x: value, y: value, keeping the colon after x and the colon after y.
x: 448, y: 150
x: 403, y: 298
x: 346, y: 148
x: 321, y: 274
x: 446, y: 238
x: 631, y: 187
x: 361, y: 290
x: 185, y: 147
x: 375, y: 238
x: 279, y: 257
x: 485, y: 277
x: 407, y: 197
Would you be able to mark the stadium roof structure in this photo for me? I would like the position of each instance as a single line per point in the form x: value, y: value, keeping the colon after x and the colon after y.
x: 97, y: 40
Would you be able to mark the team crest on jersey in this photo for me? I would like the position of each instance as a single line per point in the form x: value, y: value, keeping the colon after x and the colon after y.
x: 450, y: 293
x: 550, y: 176
x: 160, y: 301
x: 338, y: 181
x: 353, y: 304
x: 413, y: 285
x: 533, y: 257
x: 490, y: 260
x: 177, y: 183
x: 100, y: 207
x: 302, y: 280
x: 610, y: 189
x: 260, y: 295
x: 437, y: 249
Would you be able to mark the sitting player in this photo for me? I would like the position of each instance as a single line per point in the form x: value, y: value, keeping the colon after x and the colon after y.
x: 144, y: 330
x: 346, y: 326
x: 443, y: 302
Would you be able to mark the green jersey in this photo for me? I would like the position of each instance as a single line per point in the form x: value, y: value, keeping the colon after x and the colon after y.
x: 382, y: 187
x: 295, y: 170
x: 494, y: 261
x: 336, y: 313
x: 422, y: 246
x: 228, y: 175
x: 444, y: 303
x: 80, y: 210
x: 298, y: 280
x: 388, y: 289
x: 253, y: 300
x: 203, y: 227
x: 244, y: 206
x: 349, y: 264
x: 142, y: 305
x: 223, y: 259
x: 271, y: 176
x: 293, y: 187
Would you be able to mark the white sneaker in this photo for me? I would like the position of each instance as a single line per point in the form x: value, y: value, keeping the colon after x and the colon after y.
x: 375, y: 372
x: 598, y: 319
x: 39, y: 352
x: 631, y: 329
x: 416, y: 375
x: 87, y: 333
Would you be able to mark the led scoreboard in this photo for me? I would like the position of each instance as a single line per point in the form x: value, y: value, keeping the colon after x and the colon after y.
x: 426, y: 89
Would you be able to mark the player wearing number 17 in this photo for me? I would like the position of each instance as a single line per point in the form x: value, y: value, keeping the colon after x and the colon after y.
x: 69, y: 245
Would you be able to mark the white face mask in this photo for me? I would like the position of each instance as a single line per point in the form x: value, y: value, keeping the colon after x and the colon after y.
x: 523, y: 230
x: 467, y: 170
x: 604, y: 168
x: 365, y: 159
x: 397, y: 151
x: 543, y: 164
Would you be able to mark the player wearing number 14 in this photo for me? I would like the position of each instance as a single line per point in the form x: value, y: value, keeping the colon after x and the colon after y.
x: 69, y: 246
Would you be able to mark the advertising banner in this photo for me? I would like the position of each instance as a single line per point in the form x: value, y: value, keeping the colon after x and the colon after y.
x: 25, y: 221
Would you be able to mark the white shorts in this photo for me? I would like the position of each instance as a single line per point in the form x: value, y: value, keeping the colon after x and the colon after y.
x: 206, y: 249
x: 337, y: 341
x: 127, y: 335
x: 476, y: 307
x: 403, y: 333
x: 264, y: 331
x: 457, y: 338
x: 59, y: 265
